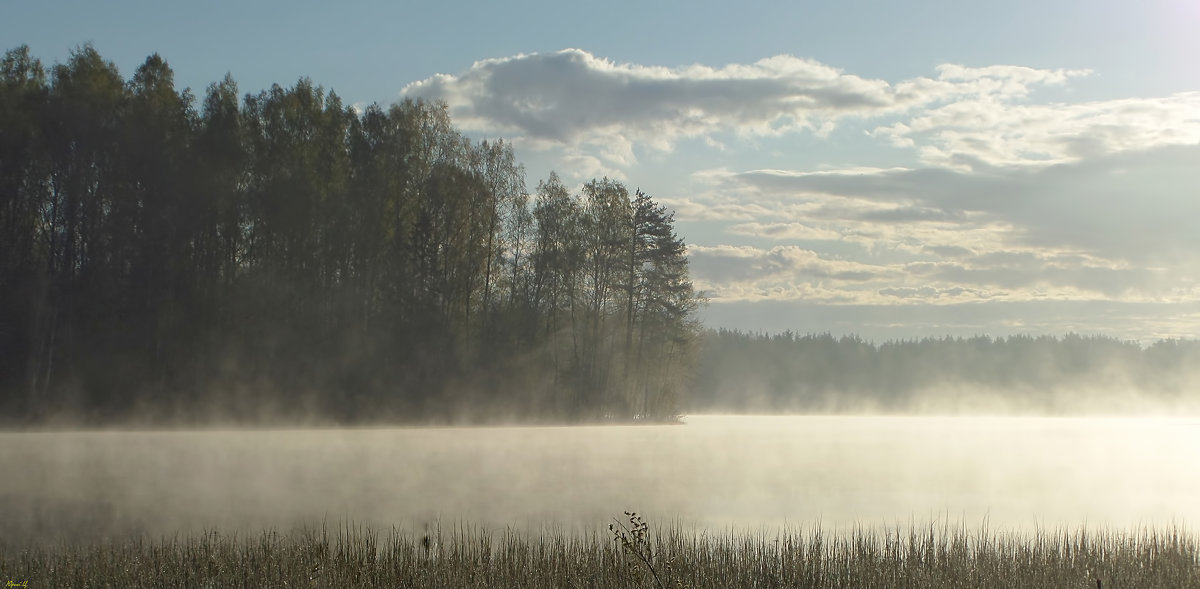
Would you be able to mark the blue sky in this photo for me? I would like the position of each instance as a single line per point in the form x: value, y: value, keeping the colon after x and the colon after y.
x: 889, y: 169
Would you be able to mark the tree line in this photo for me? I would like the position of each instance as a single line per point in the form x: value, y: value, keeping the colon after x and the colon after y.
x: 281, y: 255
x: 755, y: 372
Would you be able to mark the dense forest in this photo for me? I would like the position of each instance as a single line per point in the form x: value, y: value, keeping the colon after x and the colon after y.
x: 282, y: 256
x: 745, y: 372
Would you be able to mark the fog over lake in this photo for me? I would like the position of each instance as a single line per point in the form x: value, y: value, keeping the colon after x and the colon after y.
x: 1014, y: 473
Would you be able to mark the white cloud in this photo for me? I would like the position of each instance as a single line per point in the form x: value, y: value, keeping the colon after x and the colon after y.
x: 584, y: 166
x: 786, y: 231
x: 574, y: 98
x: 1008, y: 81
x: 964, y: 114
x: 788, y: 272
x: 784, y: 272
x: 929, y: 292
x: 704, y: 209
x: 1134, y: 206
x: 812, y: 206
x: 990, y: 130
x: 1117, y: 228
x: 963, y: 118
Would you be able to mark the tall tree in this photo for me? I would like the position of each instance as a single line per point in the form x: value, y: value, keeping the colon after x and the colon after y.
x: 608, y: 228
x: 83, y: 131
x: 24, y: 273
x: 666, y: 304
x: 150, y: 226
x: 558, y: 265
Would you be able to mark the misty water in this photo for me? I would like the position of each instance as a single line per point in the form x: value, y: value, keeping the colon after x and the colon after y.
x: 714, y: 472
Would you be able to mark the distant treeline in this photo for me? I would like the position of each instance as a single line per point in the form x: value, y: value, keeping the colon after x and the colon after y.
x: 281, y: 255
x: 741, y: 371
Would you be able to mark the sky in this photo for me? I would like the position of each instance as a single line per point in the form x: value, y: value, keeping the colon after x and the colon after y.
x: 893, y: 170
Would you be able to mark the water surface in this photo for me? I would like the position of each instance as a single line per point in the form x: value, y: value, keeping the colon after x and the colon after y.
x: 714, y: 472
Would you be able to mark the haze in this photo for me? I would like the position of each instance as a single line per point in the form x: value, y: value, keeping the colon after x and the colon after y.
x: 716, y: 473
x: 951, y: 249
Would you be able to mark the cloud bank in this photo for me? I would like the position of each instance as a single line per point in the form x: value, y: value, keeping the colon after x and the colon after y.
x: 573, y: 99
x: 961, y: 117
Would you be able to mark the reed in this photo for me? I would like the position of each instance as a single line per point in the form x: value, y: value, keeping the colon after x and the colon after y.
x: 631, y: 555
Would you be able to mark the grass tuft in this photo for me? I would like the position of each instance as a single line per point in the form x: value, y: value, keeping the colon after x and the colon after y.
x: 631, y: 556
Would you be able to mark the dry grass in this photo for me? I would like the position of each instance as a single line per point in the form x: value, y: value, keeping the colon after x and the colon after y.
x: 470, y: 557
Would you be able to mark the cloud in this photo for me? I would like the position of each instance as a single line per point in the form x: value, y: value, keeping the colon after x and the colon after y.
x: 1007, y: 81
x: 585, y: 165
x: 948, y: 251
x: 573, y: 98
x: 1119, y: 227
x: 789, y: 272
x: 704, y: 209
x: 1050, y: 277
x: 875, y: 217
x: 1131, y: 206
x: 569, y: 94
x: 962, y: 118
x: 602, y: 113
x: 929, y: 292
x: 781, y: 272
x: 788, y: 231
x: 902, y: 214
x: 989, y: 129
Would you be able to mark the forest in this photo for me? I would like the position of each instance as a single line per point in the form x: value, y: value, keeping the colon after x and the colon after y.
x: 280, y: 256
x: 1076, y: 374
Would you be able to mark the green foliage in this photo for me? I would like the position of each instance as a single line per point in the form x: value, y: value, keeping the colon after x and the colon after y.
x: 283, y: 255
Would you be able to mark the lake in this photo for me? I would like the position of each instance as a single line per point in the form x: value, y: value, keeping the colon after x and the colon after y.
x: 714, y: 472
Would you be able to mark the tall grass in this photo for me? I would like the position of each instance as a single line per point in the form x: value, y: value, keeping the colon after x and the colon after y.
x: 674, y: 557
